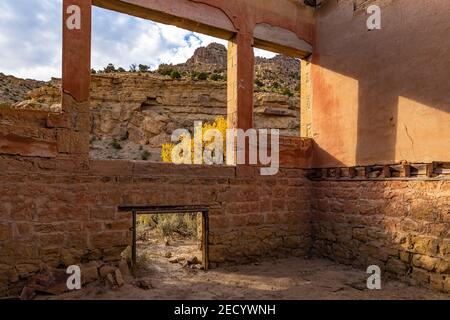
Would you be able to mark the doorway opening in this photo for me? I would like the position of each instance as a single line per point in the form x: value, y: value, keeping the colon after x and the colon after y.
x: 166, y: 237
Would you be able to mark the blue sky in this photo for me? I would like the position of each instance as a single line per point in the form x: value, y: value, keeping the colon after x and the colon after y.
x: 30, y: 40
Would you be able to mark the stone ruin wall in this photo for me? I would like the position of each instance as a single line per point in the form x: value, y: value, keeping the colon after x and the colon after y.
x: 63, y: 212
x: 59, y: 207
x: 372, y: 108
x: 401, y: 226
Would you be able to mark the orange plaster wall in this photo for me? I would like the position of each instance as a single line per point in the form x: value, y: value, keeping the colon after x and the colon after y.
x: 382, y: 96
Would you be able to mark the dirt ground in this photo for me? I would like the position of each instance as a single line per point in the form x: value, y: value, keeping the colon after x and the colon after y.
x: 156, y: 256
x: 290, y: 278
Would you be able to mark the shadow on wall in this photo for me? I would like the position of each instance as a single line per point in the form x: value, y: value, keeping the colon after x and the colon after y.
x: 391, y: 83
x: 386, y: 223
x: 321, y: 155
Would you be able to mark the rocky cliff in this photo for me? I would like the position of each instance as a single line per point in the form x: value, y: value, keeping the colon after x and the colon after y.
x: 280, y: 74
x: 214, y: 54
x: 14, y: 89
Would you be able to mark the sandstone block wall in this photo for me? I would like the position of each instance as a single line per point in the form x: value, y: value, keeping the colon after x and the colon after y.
x: 58, y: 207
x: 64, y: 211
x: 401, y: 226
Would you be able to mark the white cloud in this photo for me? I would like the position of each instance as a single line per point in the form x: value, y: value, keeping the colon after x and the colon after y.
x: 146, y: 42
x: 6, y: 12
x: 37, y: 72
x: 264, y: 53
x: 30, y: 40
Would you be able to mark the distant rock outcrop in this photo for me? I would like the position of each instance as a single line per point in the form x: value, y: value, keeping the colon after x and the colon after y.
x: 280, y: 74
x: 44, y: 98
x: 213, y: 54
x: 14, y: 89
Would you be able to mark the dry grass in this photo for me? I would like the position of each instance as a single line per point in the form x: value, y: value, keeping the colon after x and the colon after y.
x: 169, y: 225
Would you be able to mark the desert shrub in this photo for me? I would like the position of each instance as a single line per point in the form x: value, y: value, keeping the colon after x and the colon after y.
x: 175, y: 74
x: 220, y: 123
x: 168, y: 225
x: 202, y: 76
x: 194, y: 75
x: 216, y: 77
x: 109, y: 68
x: 145, y: 155
x: 165, y: 71
x: 133, y: 68
x: 286, y: 91
x: 116, y: 145
x: 143, y: 68
x: 120, y: 69
x: 259, y: 83
x: 146, y: 220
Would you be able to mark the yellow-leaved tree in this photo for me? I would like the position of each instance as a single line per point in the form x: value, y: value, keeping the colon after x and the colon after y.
x: 220, y: 124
